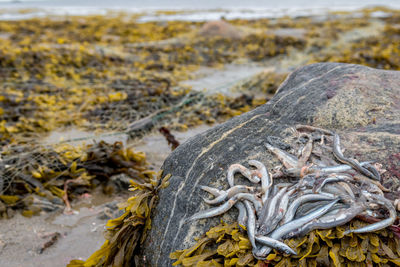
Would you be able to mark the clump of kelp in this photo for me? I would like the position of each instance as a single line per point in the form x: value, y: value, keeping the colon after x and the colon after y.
x: 48, y: 178
x: 125, y: 233
x: 379, y: 51
x: 264, y: 83
x: 226, y: 245
x: 213, y: 108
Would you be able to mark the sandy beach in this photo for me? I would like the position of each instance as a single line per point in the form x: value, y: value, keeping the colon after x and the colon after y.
x: 73, y: 75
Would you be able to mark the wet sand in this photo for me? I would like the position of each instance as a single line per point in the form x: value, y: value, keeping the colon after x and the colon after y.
x: 81, y: 233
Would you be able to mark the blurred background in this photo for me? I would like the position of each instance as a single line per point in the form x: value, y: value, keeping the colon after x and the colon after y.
x: 237, y: 9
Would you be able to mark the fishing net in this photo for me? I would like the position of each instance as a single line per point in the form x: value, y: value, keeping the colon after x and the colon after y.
x: 103, y: 81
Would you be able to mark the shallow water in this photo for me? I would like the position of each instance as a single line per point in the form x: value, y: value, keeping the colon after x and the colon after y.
x: 199, y: 10
x: 205, y: 4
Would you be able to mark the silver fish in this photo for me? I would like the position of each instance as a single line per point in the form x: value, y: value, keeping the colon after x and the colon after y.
x: 268, y: 212
x: 251, y: 223
x: 332, y: 179
x: 332, y: 219
x: 229, y: 193
x: 305, y: 153
x: 301, y: 200
x: 242, y: 217
x: 266, y: 181
x: 378, y: 225
x: 211, y: 190
x: 288, y: 160
x: 339, y: 155
x: 290, y: 226
x: 278, y: 245
x: 282, y: 208
x: 235, y: 168
x: 225, y: 207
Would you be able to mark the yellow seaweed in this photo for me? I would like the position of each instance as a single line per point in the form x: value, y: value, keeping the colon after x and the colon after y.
x: 9, y: 199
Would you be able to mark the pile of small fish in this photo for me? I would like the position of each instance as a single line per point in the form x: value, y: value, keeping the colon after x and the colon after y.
x: 319, y: 194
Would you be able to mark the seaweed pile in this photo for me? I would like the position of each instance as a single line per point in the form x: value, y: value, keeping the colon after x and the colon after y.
x: 102, y: 79
x: 48, y: 178
x: 377, y: 52
x: 380, y: 51
x: 227, y: 245
x: 125, y: 233
x: 86, y: 72
x: 313, y: 197
x: 105, y: 78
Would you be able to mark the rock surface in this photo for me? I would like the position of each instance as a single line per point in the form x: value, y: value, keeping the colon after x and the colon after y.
x: 220, y: 28
x: 360, y: 103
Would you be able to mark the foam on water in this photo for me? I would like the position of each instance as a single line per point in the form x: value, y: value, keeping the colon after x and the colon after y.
x: 188, y: 10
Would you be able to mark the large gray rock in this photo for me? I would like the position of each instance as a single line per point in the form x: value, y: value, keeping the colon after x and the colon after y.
x: 361, y: 103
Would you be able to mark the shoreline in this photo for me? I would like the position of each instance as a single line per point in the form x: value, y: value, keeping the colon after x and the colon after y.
x: 159, y: 14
